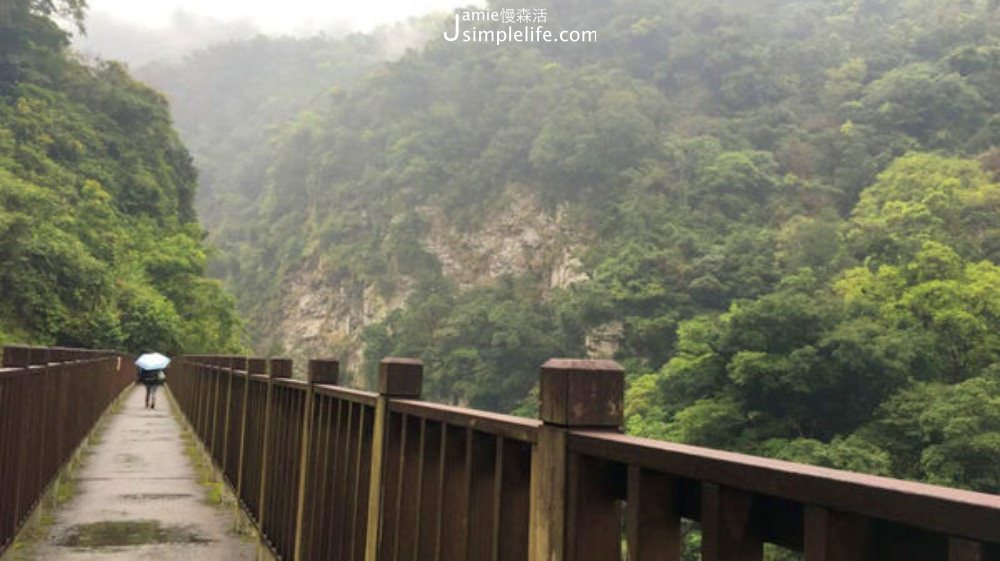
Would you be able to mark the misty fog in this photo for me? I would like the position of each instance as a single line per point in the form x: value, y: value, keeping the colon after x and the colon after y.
x: 112, y: 38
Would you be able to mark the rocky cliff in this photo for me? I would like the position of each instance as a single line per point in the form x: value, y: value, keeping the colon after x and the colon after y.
x: 324, y: 315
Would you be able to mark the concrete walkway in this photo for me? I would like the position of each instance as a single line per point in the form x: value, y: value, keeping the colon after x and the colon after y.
x: 139, y: 497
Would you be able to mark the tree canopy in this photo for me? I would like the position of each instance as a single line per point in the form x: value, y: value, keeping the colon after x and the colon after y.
x: 100, y: 243
x: 785, y: 212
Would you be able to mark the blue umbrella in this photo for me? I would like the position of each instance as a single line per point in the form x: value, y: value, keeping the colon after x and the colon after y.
x: 152, y: 361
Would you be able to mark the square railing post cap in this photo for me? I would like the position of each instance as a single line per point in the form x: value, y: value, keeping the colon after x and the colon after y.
x: 400, y: 377
x: 582, y: 393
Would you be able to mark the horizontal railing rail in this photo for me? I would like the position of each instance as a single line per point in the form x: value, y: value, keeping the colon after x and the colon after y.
x: 508, y: 426
x: 50, y: 398
x: 332, y: 473
x: 796, y: 506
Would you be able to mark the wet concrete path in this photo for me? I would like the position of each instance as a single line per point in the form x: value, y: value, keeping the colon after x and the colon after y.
x: 139, y: 497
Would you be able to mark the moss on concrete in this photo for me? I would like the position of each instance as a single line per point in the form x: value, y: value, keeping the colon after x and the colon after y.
x: 129, y: 532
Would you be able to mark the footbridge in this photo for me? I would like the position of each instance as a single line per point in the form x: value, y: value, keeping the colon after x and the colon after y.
x: 329, y: 473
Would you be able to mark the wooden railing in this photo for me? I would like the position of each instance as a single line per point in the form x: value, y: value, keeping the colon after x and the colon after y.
x: 328, y: 473
x: 50, y: 398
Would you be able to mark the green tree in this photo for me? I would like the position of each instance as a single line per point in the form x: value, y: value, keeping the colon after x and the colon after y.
x: 96, y: 204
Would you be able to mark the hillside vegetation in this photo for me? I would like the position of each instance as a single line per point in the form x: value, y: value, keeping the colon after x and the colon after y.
x: 786, y: 212
x: 98, y: 236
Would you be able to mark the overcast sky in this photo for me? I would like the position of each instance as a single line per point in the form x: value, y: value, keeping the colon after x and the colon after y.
x: 286, y: 16
x: 139, y: 31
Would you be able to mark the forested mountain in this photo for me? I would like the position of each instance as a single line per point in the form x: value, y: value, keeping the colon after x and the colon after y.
x: 231, y: 99
x: 98, y: 236
x: 782, y: 216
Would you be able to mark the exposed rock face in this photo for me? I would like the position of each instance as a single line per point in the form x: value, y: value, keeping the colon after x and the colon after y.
x: 604, y: 340
x: 325, y: 316
x: 517, y: 238
x: 567, y: 270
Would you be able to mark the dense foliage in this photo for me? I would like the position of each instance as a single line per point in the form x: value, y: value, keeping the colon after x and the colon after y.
x: 98, y: 237
x: 792, y: 208
x: 230, y: 100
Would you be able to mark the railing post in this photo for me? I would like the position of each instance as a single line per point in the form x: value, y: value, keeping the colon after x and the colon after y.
x: 212, y: 395
x: 40, y: 356
x: 320, y: 371
x: 235, y: 363
x: 253, y: 366
x: 397, y: 377
x: 17, y: 357
x: 574, y: 394
x: 276, y: 368
x: 227, y: 371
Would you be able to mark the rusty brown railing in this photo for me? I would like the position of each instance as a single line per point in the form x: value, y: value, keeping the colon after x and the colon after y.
x: 50, y: 398
x: 329, y: 474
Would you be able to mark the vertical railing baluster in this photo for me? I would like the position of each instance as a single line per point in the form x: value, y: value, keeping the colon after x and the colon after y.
x: 430, y: 499
x: 333, y: 522
x: 343, y: 484
x: 834, y: 536
x: 456, y: 484
x: 967, y: 550
x: 482, y: 474
x: 728, y: 526
x: 418, y: 489
x: 653, y: 520
x: 359, y: 480
x: 514, y: 470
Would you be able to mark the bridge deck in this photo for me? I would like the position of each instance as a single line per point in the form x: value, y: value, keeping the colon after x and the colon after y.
x: 139, y: 497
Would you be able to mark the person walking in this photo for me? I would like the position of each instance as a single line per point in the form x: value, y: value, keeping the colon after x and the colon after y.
x: 152, y: 379
x: 151, y: 374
